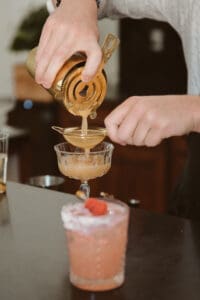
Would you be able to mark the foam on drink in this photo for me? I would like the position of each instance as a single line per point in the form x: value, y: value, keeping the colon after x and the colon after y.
x: 77, y: 217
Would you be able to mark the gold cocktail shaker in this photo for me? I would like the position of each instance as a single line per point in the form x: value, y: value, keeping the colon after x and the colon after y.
x: 80, y: 98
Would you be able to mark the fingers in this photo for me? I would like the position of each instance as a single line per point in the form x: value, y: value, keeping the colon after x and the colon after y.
x: 139, y: 135
x: 56, y: 57
x: 131, y: 123
x: 120, y: 123
x: 50, y: 59
x: 44, y: 37
x: 52, y: 52
x: 146, y: 121
x: 112, y: 123
x: 94, y: 56
x: 49, y: 67
x: 153, y: 138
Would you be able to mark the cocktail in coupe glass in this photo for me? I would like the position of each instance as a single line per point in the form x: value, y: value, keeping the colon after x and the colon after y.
x: 77, y: 163
x: 96, y: 245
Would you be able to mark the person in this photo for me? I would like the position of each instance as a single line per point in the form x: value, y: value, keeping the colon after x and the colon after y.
x: 144, y: 120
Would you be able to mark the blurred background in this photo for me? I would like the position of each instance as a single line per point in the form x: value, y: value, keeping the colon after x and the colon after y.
x: 149, y: 61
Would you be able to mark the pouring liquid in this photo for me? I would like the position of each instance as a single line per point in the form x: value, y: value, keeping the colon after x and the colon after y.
x: 84, y: 166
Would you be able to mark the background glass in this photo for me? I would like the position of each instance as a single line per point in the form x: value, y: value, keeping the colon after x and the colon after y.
x: 76, y: 163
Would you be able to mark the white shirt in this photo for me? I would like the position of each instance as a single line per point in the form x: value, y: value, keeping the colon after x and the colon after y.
x: 182, y: 15
x: 50, y: 6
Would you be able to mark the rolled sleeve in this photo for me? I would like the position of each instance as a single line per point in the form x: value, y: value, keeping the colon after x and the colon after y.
x: 112, y: 9
x: 50, y: 6
x: 102, y: 9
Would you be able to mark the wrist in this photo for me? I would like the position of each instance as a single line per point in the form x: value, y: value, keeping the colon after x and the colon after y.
x: 58, y: 2
x: 53, y: 4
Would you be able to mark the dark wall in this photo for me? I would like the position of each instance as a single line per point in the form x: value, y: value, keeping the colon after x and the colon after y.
x: 151, y: 59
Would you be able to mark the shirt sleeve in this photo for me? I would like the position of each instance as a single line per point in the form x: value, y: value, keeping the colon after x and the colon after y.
x: 130, y: 8
x: 50, y: 6
x: 160, y: 10
x: 173, y: 12
x: 178, y: 14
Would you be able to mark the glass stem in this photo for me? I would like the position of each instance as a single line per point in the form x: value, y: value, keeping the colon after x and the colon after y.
x: 85, y: 188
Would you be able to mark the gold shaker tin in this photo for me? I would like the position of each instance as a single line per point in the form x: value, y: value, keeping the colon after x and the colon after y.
x: 80, y: 98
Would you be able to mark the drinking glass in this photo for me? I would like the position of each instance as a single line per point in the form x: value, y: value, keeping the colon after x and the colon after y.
x: 96, y: 245
x: 84, y: 165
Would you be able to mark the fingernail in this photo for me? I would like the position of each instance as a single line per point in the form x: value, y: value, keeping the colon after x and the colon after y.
x: 122, y: 143
x: 85, y: 78
x: 46, y: 85
x: 38, y: 81
x: 43, y: 83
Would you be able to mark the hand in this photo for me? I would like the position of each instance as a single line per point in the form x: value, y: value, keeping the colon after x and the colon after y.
x: 71, y: 28
x: 146, y: 121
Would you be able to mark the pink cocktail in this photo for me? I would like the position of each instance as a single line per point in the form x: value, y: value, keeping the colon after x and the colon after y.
x: 96, y: 245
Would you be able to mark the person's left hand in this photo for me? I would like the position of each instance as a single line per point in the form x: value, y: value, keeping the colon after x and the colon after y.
x: 146, y: 121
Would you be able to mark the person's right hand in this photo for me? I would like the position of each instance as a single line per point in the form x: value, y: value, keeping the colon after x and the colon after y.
x: 147, y: 120
x: 71, y: 28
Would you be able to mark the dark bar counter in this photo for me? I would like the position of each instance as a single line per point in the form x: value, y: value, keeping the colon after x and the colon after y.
x: 163, y: 257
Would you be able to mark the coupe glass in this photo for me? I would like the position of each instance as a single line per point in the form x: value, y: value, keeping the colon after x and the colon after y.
x: 83, y: 165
